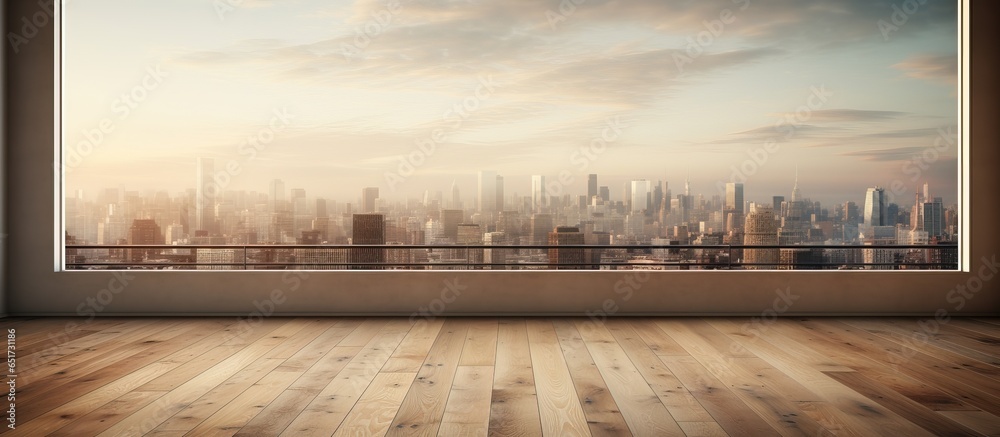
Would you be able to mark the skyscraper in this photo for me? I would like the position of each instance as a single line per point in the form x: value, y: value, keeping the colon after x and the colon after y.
x: 369, y: 197
x: 760, y: 229
x: 143, y: 232
x: 456, y: 199
x: 591, y: 187
x: 277, y: 195
x: 640, y: 195
x: 368, y: 229
x: 875, y: 207
x: 205, y: 198
x: 566, y: 235
x: 487, y: 198
x: 540, y: 226
x: 450, y: 219
x: 733, y: 212
x: 500, y: 193
x: 538, y: 195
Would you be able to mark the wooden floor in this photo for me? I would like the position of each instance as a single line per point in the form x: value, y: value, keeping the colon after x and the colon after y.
x: 506, y: 377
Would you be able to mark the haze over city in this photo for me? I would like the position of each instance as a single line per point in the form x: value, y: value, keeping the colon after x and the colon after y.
x: 520, y: 87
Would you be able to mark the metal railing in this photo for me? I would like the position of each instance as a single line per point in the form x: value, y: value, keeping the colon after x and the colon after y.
x: 511, y: 257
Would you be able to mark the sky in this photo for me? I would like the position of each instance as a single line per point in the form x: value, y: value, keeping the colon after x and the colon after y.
x: 337, y: 94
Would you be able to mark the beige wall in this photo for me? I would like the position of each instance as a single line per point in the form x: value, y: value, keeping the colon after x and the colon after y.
x: 34, y: 289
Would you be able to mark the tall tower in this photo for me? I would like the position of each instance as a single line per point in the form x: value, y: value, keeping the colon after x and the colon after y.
x: 760, y: 229
x: 875, y: 213
x: 456, y: 199
x: 369, y: 198
x: 591, y: 187
x: 205, y: 198
x: 565, y: 235
x: 640, y: 195
x: 795, y: 188
x: 277, y: 195
x: 499, y: 193
x: 487, y: 199
x: 538, y: 193
x: 733, y: 210
x: 368, y: 229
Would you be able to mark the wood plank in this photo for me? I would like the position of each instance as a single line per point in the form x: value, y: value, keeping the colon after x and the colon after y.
x: 320, y: 346
x: 640, y: 406
x: 912, y: 411
x: 290, y: 403
x: 513, y: 403
x: 681, y: 404
x: 107, y: 415
x: 151, y: 416
x: 411, y: 353
x: 603, y: 415
x: 958, y: 367
x: 949, y: 379
x: 215, y: 399
x: 980, y: 421
x: 377, y: 407
x: 780, y: 333
x: 481, y: 343
x: 734, y: 416
x: 467, y: 412
x: 702, y: 429
x: 709, y: 340
x: 422, y: 408
x: 869, y: 363
x: 230, y: 418
x: 38, y: 400
x: 364, y: 333
x: 861, y: 416
x: 329, y: 408
x: 558, y: 407
x: 658, y: 341
x: 73, y: 347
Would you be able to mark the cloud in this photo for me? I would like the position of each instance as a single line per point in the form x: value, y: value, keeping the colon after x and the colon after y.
x: 935, y: 68
x: 850, y: 115
x: 893, y: 154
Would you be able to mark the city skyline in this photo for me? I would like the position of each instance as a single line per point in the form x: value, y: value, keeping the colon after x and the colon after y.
x: 879, y: 104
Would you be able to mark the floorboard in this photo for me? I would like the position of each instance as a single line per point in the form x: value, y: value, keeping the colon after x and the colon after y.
x: 301, y: 376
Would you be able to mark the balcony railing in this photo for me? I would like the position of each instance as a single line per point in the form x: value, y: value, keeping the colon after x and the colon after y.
x: 512, y: 257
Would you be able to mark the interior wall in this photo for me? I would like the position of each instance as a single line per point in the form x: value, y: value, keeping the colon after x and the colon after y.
x: 35, y: 289
x: 3, y: 166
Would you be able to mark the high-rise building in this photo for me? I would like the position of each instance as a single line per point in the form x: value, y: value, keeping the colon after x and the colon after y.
x: 369, y: 198
x: 277, y: 195
x: 605, y: 193
x: 733, y: 212
x: 470, y: 234
x: 777, y: 201
x: 540, y: 226
x: 760, y: 229
x: 539, y: 198
x: 205, y: 199
x: 640, y: 190
x: 566, y: 235
x: 933, y: 217
x: 875, y: 207
x: 486, y: 200
x: 456, y: 198
x: 496, y: 257
x: 500, y: 194
x: 450, y: 219
x: 591, y: 187
x: 143, y: 232
x: 368, y: 229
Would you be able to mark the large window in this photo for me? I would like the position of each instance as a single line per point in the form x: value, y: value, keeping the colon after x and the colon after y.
x: 511, y: 135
